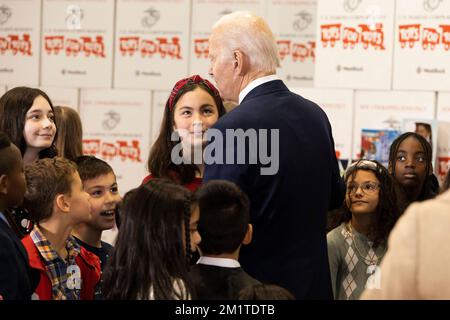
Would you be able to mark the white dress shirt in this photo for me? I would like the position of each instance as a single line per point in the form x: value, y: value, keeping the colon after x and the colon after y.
x: 219, y: 262
x: 257, y: 82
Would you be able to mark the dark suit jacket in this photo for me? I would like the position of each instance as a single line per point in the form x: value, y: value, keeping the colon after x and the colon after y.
x: 219, y: 283
x: 17, y: 280
x: 288, y: 209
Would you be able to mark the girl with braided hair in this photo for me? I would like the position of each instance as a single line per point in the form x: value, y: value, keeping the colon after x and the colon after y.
x: 358, y: 243
x: 194, y: 106
x: 411, y: 167
x: 157, y: 236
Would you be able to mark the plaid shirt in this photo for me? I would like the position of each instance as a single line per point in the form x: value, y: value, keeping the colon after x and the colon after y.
x: 65, y: 275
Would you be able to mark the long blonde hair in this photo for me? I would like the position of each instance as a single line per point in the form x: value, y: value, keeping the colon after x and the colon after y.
x: 70, y: 132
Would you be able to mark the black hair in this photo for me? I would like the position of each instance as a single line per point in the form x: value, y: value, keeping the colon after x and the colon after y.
x: 149, y: 255
x: 427, y: 191
x: 224, y: 216
x: 90, y: 167
x: 5, y: 162
x: 5, y: 142
x: 398, y: 141
x: 387, y: 211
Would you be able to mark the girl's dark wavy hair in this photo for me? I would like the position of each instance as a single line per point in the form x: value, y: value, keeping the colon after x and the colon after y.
x: 386, y: 212
x: 149, y: 254
x: 14, y: 105
x: 426, y: 192
x: 159, y: 162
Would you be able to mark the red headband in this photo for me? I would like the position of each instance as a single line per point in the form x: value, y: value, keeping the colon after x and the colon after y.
x: 193, y: 79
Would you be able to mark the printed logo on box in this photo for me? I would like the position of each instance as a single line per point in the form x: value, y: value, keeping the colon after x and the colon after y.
x: 5, y: 14
x: 150, y: 18
x: 409, y: 34
x: 351, y: 37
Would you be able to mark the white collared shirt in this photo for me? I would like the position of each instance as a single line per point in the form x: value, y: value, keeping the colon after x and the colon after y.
x: 257, y: 82
x: 219, y: 262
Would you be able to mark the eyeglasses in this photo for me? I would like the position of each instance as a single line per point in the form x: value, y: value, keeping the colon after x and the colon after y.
x: 366, y: 187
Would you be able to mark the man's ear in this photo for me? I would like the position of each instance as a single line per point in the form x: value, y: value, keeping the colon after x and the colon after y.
x: 61, y: 203
x: 248, y: 235
x: 240, y: 62
x: 3, y: 184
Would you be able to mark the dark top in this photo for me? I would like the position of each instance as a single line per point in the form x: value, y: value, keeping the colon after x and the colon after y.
x: 20, y: 221
x: 17, y: 280
x: 288, y: 209
x: 219, y: 283
x: 103, y: 253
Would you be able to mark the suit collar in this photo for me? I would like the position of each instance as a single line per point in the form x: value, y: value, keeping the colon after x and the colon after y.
x: 265, y: 88
x: 253, y: 84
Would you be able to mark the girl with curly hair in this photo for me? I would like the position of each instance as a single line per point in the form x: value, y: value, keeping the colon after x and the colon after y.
x: 358, y: 243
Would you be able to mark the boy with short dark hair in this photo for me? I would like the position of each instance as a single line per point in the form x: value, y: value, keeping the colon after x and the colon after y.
x: 99, y: 181
x: 224, y: 227
x: 57, y: 202
x: 17, y: 279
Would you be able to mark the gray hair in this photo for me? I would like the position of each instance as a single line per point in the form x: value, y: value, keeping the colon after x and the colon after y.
x: 249, y: 33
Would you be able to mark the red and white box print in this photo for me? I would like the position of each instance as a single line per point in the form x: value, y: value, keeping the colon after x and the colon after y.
x: 77, y: 42
x: 151, y: 43
x: 293, y: 23
x: 20, y: 27
x: 354, y: 44
x: 422, y: 45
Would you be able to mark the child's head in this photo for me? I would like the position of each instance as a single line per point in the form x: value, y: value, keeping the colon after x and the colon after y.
x: 158, y: 232
x: 224, y: 217
x: 54, y: 187
x: 410, y: 160
x: 12, y: 178
x: 27, y: 117
x: 370, y: 191
x: 265, y: 292
x: 99, y: 181
x: 194, y: 105
x: 70, y: 132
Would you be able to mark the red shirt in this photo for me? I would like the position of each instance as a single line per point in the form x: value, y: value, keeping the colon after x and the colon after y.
x: 88, y: 262
x: 191, y: 186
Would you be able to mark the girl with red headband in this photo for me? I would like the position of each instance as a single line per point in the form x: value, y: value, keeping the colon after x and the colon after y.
x: 194, y: 105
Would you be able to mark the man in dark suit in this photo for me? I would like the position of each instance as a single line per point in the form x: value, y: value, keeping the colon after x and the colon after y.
x: 17, y: 282
x: 291, y: 190
x: 224, y: 227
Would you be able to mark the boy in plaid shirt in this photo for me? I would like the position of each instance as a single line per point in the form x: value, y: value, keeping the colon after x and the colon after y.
x: 56, y: 202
